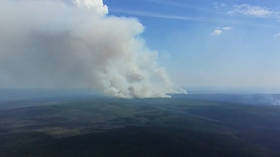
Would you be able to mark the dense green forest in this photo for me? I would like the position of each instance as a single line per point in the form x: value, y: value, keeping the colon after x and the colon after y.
x: 105, y: 127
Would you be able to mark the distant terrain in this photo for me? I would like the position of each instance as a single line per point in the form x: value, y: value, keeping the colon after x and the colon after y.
x: 83, y: 125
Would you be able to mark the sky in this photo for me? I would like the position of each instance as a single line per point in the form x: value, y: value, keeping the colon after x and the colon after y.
x: 223, y: 44
x: 141, y: 48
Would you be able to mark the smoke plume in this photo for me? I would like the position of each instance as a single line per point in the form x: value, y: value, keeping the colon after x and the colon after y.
x: 51, y: 44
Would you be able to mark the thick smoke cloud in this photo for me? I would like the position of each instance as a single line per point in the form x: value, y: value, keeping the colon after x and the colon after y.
x: 50, y: 44
x: 95, y: 5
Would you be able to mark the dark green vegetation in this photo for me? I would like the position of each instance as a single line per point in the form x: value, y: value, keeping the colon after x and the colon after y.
x: 104, y: 127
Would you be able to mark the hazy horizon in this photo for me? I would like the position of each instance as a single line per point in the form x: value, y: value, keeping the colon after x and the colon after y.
x: 141, y: 49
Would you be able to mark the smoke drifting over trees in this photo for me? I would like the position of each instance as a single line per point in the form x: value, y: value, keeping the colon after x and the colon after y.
x: 50, y: 44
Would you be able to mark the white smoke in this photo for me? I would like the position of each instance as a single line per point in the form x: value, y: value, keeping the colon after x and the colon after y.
x: 49, y: 44
x: 95, y: 5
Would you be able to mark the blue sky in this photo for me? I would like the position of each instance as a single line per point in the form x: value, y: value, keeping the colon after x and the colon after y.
x: 225, y: 44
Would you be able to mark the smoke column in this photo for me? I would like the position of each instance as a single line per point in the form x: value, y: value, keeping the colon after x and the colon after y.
x: 51, y: 44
